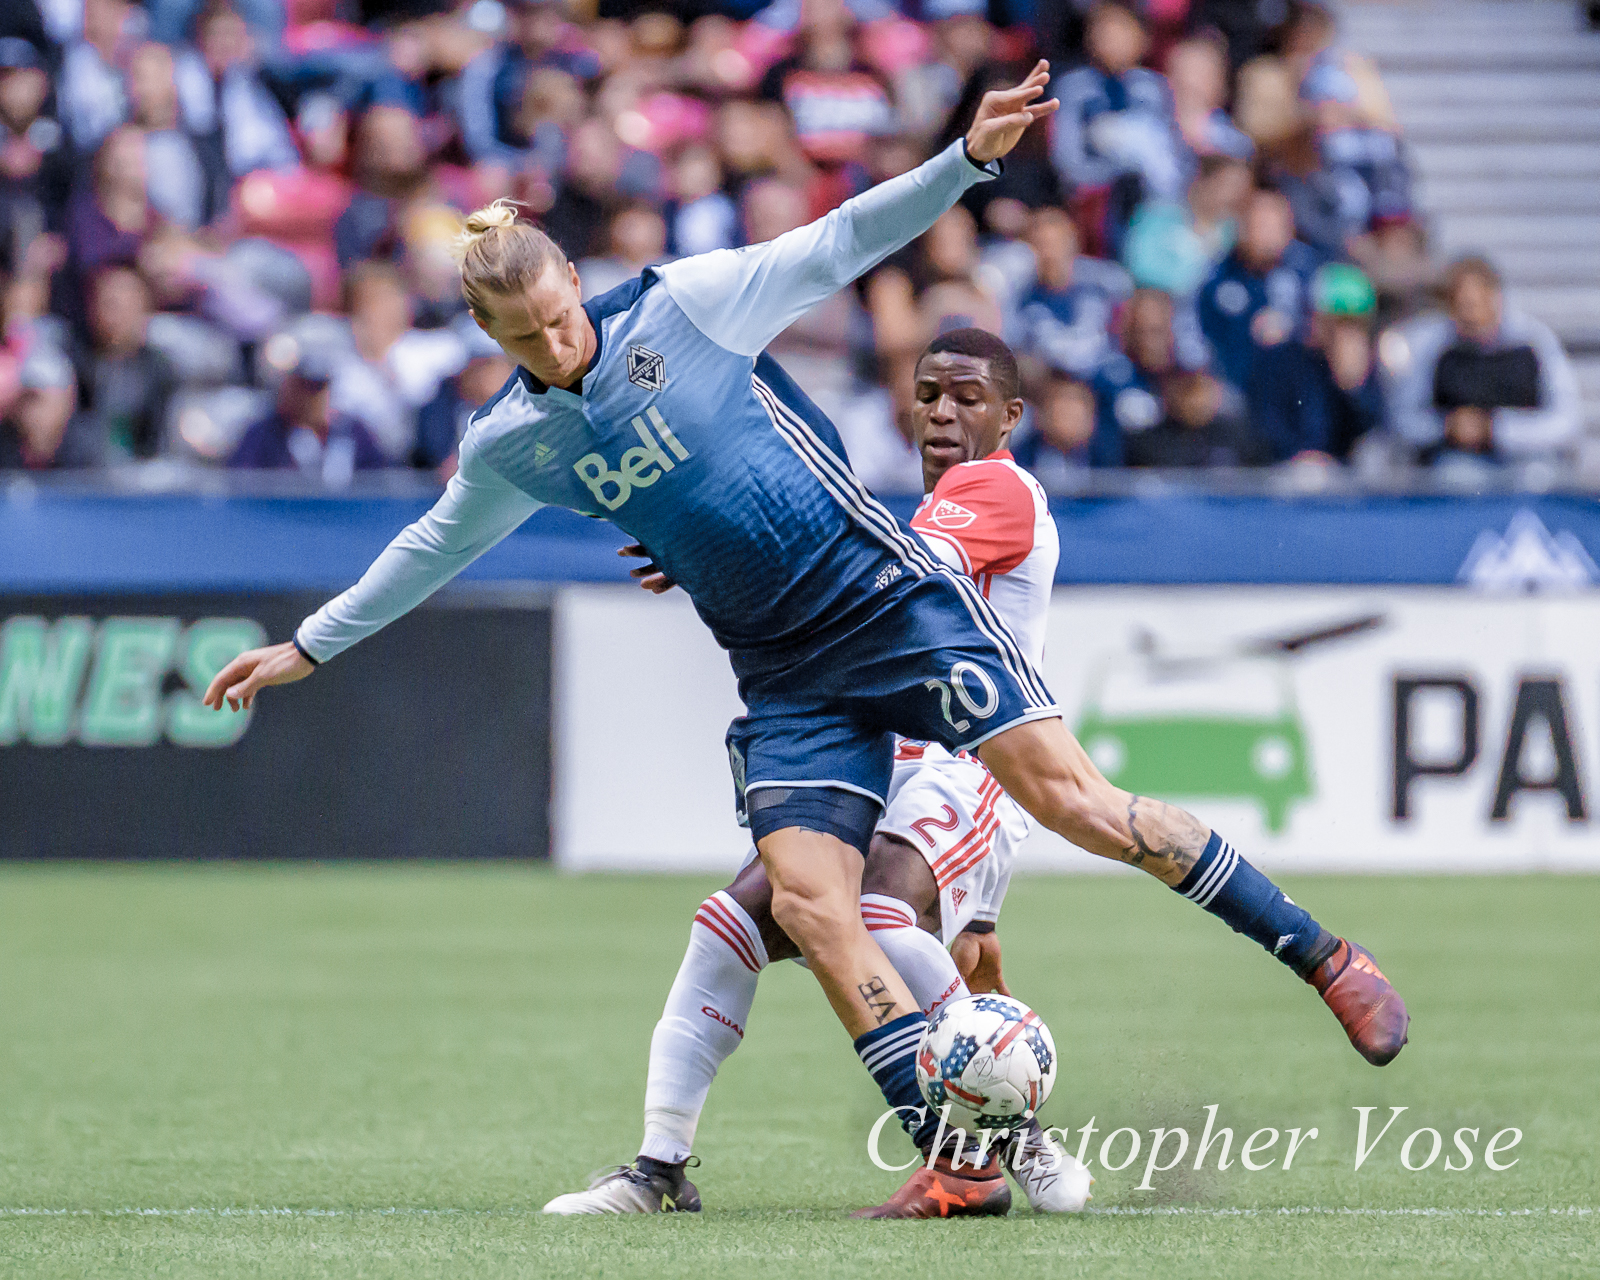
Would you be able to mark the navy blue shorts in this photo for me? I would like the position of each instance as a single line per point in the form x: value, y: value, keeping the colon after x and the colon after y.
x: 936, y: 663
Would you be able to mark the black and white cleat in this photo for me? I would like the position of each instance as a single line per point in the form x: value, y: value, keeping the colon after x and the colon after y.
x: 627, y: 1189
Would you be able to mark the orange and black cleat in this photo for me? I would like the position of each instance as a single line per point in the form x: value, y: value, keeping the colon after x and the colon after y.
x: 1368, y: 1007
x: 941, y: 1192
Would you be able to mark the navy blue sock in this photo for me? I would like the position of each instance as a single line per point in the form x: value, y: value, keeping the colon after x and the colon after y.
x: 1236, y: 893
x: 890, y: 1053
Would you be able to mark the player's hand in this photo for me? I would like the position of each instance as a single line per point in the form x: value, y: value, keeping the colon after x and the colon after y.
x: 977, y: 957
x: 650, y: 577
x: 249, y: 673
x: 1005, y: 114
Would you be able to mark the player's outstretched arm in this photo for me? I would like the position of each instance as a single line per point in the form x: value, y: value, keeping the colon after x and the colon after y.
x: 477, y: 509
x: 744, y: 298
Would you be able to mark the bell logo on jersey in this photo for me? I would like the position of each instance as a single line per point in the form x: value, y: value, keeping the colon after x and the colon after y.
x: 950, y: 515
x: 639, y: 468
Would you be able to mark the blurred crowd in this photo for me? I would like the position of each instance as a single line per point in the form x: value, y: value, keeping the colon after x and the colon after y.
x: 226, y: 225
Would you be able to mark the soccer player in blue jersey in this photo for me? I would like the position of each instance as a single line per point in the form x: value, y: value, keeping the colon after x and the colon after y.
x: 654, y: 406
x: 940, y: 862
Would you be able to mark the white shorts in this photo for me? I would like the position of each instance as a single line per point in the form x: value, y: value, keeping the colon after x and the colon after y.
x: 952, y: 811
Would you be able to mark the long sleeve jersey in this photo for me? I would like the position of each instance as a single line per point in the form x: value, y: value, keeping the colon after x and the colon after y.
x: 694, y: 443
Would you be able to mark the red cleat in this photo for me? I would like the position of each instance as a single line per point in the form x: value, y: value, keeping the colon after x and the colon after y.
x: 1368, y: 1007
x: 941, y: 1192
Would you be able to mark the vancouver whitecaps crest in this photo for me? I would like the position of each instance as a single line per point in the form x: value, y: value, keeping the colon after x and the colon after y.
x: 647, y: 369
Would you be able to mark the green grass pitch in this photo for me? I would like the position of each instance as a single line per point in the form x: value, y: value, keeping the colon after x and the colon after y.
x: 386, y: 1071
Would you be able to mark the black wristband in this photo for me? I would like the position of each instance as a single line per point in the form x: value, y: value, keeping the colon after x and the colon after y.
x: 295, y: 641
x: 997, y: 162
x: 979, y: 926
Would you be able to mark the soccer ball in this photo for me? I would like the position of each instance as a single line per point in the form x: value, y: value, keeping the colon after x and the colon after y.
x: 990, y: 1058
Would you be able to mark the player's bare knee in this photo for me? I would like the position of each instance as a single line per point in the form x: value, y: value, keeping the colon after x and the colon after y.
x: 896, y: 870
x: 818, y: 922
x: 753, y: 892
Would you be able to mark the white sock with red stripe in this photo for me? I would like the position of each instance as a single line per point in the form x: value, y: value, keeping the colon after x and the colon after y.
x: 702, y: 1024
x: 916, y: 954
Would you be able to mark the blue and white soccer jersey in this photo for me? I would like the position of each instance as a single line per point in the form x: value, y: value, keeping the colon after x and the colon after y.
x: 841, y: 625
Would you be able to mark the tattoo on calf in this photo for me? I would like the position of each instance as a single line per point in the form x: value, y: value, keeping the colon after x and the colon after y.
x: 875, y: 992
x: 1170, y: 835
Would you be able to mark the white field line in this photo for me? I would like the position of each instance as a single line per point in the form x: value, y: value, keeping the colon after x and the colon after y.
x: 1174, y: 1211
x: 1571, y: 1211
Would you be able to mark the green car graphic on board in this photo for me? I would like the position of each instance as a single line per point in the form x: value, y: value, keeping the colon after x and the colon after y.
x: 1223, y: 727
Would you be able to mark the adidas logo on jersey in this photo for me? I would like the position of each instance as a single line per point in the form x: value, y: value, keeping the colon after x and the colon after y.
x: 957, y: 897
x: 950, y: 515
x: 639, y: 468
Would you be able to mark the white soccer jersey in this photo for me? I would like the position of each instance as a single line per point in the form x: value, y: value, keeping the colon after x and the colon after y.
x: 990, y: 520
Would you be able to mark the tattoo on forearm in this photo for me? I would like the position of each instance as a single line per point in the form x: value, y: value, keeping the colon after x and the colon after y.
x: 1169, y: 835
x: 876, y: 993
x: 1138, y: 851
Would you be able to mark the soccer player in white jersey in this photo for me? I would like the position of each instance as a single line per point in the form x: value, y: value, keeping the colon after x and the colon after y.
x: 655, y: 406
x: 941, y: 858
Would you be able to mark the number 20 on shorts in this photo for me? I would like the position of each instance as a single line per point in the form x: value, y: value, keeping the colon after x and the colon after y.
x: 960, y: 675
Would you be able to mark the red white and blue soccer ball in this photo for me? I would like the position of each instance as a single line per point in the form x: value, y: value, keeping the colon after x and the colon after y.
x: 990, y: 1058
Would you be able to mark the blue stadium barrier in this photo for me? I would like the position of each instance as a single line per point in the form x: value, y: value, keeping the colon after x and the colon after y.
x: 55, y: 539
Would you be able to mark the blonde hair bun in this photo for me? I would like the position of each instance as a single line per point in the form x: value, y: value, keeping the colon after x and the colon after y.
x: 498, y: 215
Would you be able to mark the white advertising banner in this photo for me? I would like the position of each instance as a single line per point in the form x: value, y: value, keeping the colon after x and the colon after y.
x: 643, y: 697
x: 1320, y: 728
